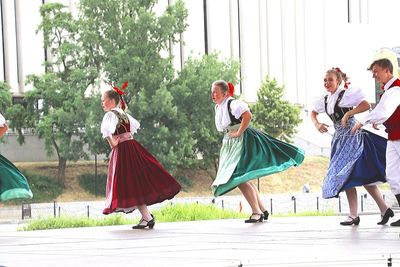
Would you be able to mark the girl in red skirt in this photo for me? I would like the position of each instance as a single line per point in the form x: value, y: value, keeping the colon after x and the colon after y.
x: 135, y: 178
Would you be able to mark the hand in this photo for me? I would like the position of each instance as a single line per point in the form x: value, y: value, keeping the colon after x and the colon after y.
x: 345, y: 119
x: 113, y: 142
x: 356, y: 127
x: 321, y: 127
x: 375, y: 126
x: 234, y: 134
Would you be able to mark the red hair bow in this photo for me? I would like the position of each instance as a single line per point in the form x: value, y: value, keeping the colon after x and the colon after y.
x: 231, y: 88
x: 119, y: 91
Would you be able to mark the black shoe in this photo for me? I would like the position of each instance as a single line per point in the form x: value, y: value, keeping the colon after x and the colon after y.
x: 355, y: 221
x: 266, y: 214
x: 255, y: 217
x: 149, y: 224
x: 385, y: 218
x: 396, y: 223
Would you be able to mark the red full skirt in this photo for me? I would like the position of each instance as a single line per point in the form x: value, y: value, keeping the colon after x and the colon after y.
x: 135, y: 178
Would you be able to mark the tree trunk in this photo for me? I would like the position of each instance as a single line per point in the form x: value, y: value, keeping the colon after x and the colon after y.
x: 62, y: 165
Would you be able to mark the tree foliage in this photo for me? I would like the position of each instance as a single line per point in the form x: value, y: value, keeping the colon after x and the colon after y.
x: 5, y: 97
x: 273, y: 114
x: 127, y: 41
x: 56, y: 107
x: 114, y: 42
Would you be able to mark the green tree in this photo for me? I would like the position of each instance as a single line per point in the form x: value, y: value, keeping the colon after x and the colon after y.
x: 93, y: 138
x: 5, y: 97
x: 56, y: 106
x: 127, y: 41
x: 274, y: 115
x: 192, y: 96
x: 5, y: 101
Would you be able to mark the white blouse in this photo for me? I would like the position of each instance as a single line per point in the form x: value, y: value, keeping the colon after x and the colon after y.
x: 110, y: 121
x: 2, y: 120
x: 351, y: 98
x: 222, y: 120
x: 388, y: 103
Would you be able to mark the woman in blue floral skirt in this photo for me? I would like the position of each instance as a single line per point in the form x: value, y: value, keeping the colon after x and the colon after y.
x: 356, y: 160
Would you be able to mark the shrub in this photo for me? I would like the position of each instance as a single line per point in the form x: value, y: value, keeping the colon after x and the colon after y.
x: 88, y: 182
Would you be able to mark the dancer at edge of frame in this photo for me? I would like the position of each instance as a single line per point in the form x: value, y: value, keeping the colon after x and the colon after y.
x: 355, y: 160
x: 13, y: 184
x: 387, y: 112
x: 246, y: 152
x: 135, y: 178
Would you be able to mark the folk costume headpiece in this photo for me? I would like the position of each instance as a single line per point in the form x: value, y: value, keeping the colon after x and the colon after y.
x: 231, y: 88
x: 342, y: 75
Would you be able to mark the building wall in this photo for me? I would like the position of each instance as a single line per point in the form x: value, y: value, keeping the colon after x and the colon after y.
x: 294, y: 41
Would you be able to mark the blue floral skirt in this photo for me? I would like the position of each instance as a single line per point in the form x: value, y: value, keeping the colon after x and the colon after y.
x: 356, y: 160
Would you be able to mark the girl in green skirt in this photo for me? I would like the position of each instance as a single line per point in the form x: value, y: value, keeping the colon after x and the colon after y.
x: 246, y: 153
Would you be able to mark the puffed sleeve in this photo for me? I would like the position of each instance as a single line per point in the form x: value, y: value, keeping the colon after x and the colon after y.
x: 135, y: 125
x: 109, y: 123
x: 2, y: 120
x: 352, y: 97
x: 238, y: 107
x: 319, y: 104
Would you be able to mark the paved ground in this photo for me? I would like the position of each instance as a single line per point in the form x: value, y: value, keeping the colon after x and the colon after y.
x: 282, y: 241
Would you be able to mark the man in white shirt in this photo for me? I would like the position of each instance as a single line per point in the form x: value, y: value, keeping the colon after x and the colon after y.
x: 387, y: 112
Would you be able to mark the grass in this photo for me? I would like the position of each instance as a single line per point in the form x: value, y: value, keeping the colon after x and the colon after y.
x: 169, y: 213
x: 194, y: 212
x: 73, y: 222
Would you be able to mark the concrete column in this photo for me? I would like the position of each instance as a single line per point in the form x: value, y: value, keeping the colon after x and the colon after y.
x: 20, y: 72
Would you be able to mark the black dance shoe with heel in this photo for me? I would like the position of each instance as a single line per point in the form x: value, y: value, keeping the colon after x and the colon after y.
x: 385, y: 218
x: 255, y: 217
x: 396, y: 223
x: 266, y: 214
x: 143, y: 224
x: 351, y: 221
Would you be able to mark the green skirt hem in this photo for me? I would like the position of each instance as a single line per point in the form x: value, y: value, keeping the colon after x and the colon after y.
x: 261, y: 155
x: 235, y: 181
x: 15, y: 193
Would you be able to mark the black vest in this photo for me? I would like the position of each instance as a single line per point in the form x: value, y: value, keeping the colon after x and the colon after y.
x: 234, y: 121
x: 338, y: 112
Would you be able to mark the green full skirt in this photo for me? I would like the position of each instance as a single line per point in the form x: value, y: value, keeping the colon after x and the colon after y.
x: 250, y: 156
x: 13, y: 183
